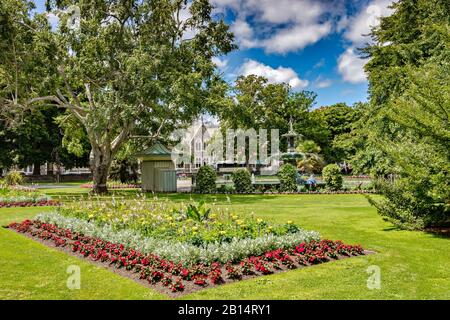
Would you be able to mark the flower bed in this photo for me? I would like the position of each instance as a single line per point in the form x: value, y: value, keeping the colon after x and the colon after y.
x: 196, y: 224
x: 38, y: 203
x: 18, y: 196
x: 180, y: 252
x: 174, y: 278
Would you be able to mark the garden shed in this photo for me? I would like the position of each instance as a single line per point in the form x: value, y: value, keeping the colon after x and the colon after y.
x: 158, y: 172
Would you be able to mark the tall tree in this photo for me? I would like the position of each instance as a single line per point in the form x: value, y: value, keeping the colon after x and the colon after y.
x: 122, y: 62
x: 334, y: 120
x: 407, y: 119
x: 259, y: 104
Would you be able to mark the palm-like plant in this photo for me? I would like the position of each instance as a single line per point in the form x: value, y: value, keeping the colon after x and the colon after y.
x: 311, y: 160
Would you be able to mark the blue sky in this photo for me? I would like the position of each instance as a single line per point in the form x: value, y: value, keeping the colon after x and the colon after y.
x: 311, y: 44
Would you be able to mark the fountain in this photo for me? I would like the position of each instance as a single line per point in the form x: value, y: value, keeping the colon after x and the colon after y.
x: 291, y: 156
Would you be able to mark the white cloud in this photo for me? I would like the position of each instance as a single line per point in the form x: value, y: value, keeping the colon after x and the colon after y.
x: 283, y: 26
x: 278, y: 75
x: 319, y: 64
x: 368, y: 17
x: 243, y: 33
x: 351, y: 67
x: 184, y: 15
x: 296, y: 38
x: 321, y: 83
x: 226, y: 3
x: 279, y: 26
x: 220, y: 63
x: 283, y: 11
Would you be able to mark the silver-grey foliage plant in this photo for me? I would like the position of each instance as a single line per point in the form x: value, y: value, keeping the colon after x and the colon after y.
x: 178, y: 252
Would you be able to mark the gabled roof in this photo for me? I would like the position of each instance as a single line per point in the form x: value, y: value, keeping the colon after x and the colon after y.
x: 157, y: 151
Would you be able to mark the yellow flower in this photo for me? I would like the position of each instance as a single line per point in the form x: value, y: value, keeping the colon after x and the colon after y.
x: 91, y: 216
x: 289, y: 222
x: 259, y: 220
x: 222, y: 232
x: 194, y: 228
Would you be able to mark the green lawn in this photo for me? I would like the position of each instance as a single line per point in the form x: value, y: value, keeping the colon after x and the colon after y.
x: 414, y: 265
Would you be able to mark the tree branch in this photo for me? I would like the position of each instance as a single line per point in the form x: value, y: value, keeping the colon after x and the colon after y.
x: 69, y: 89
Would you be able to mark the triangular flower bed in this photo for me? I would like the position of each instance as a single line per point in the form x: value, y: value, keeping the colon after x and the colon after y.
x: 174, y: 279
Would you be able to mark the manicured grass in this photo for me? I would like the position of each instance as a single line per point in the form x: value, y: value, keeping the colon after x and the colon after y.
x: 30, y: 270
x: 414, y: 265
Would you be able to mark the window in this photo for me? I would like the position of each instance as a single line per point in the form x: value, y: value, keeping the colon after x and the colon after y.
x: 198, y: 146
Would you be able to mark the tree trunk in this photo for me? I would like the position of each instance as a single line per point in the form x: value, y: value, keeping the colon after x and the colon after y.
x: 36, y: 169
x: 100, y: 165
x: 100, y: 178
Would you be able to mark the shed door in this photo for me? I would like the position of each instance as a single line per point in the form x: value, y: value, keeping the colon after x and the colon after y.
x: 148, y: 176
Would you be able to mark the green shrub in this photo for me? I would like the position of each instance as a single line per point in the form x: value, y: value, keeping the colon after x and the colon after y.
x: 332, y: 176
x: 288, y: 178
x: 408, y: 204
x: 242, y: 181
x: 225, y: 188
x: 13, y: 178
x: 206, y: 180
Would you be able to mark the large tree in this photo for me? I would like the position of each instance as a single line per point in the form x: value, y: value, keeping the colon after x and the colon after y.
x: 256, y: 103
x: 334, y: 121
x: 114, y: 66
x: 407, y: 120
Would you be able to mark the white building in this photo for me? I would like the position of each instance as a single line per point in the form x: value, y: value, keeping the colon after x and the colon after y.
x: 196, y: 139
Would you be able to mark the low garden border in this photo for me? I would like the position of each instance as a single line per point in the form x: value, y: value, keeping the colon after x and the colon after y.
x: 113, y: 186
x: 41, y: 203
x: 292, y: 193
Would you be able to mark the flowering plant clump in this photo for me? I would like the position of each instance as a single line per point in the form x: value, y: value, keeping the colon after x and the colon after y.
x: 173, y: 276
x: 18, y: 196
x: 177, y: 285
x: 233, y: 272
x: 191, y: 223
x: 200, y: 280
x: 247, y: 267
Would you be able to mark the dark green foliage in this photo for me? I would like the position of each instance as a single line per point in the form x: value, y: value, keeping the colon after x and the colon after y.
x: 407, y: 121
x: 198, y: 212
x: 332, y: 176
x: 206, y: 180
x: 242, y: 181
x: 408, y: 204
x: 333, y: 121
x: 288, y: 176
x: 37, y: 139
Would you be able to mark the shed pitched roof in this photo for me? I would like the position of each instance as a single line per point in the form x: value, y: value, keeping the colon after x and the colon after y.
x: 156, y: 150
